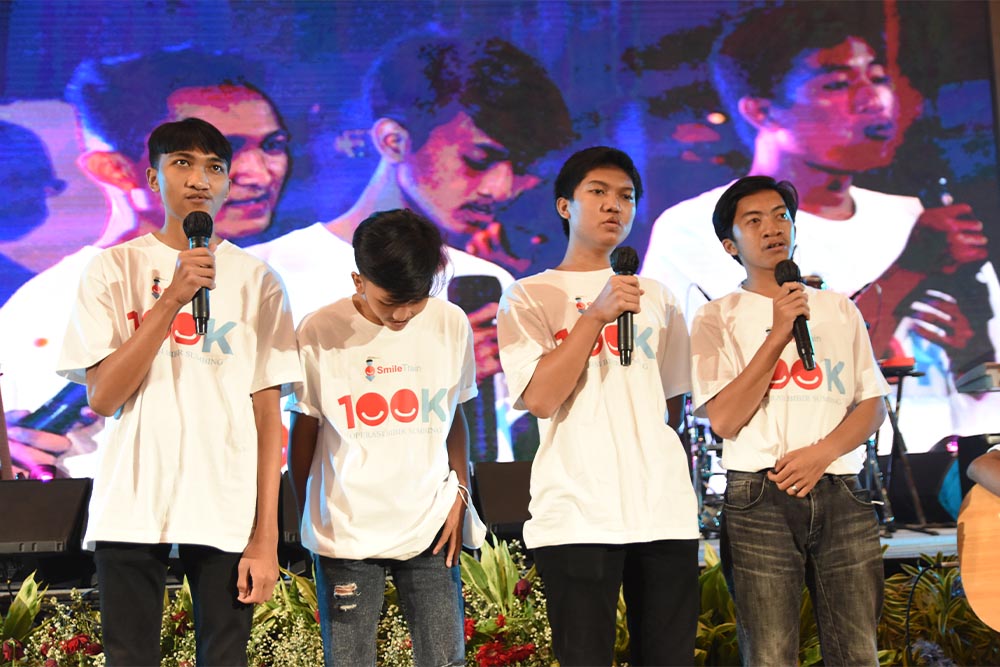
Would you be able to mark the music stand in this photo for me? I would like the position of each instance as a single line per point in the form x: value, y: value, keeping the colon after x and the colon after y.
x: 900, y: 452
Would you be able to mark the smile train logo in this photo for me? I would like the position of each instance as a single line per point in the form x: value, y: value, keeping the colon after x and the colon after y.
x: 370, y: 369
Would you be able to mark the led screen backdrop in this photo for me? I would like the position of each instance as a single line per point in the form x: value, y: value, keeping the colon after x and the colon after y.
x: 465, y: 111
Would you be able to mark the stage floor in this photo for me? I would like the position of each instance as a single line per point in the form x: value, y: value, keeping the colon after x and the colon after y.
x: 903, y: 544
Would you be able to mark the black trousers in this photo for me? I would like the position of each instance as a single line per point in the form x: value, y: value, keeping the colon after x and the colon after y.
x: 131, y: 580
x: 660, y: 581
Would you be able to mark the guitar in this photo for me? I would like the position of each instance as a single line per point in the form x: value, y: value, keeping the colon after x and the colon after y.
x: 978, y: 542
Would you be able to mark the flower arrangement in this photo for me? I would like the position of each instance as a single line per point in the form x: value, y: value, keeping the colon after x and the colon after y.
x: 505, y: 622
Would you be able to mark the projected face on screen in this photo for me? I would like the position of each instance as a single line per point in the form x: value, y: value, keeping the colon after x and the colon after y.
x: 840, y: 109
x: 460, y: 176
x: 27, y: 180
x: 260, y: 152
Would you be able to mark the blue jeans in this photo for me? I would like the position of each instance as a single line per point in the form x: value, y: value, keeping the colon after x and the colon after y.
x: 350, y: 596
x: 773, y: 544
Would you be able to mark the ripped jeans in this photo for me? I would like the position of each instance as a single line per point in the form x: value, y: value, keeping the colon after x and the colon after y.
x: 350, y: 594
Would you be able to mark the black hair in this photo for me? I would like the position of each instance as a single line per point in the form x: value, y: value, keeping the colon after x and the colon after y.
x: 581, y: 163
x: 757, y: 50
x: 188, y: 134
x: 119, y: 98
x: 402, y: 252
x: 725, y: 210
x: 421, y: 81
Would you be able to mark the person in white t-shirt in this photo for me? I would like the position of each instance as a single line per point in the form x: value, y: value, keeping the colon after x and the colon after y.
x: 795, y: 513
x: 985, y: 470
x: 612, y: 502
x: 378, y: 450
x: 820, y: 107
x: 457, y: 125
x: 193, y: 448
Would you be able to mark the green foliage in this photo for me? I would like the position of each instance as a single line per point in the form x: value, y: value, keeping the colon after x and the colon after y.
x: 23, y: 611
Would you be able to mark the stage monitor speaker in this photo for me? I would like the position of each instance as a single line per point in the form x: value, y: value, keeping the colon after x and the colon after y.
x: 968, y: 449
x: 930, y: 472
x: 503, y: 492
x: 43, y: 517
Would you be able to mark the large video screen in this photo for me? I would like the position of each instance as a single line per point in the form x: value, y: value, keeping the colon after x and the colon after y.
x: 881, y: 113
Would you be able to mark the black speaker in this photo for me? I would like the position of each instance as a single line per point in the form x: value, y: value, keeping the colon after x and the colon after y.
x: 43, y: 517
x: 930, y: 470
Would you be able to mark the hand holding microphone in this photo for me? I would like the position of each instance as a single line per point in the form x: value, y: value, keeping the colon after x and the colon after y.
x: 625, y: 262
x: 198, y: 229
x: 788, y: 272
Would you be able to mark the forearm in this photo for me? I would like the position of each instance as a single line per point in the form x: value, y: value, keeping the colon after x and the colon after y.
x: 879, y: 304
x: 734, y: 406
x: 458, y: 447
x: 267, y: 417
x: 557, y: 372
x: 985, y: 471
x: 675, y: 411
x: 112, y: 381
x: 866, y: 417
x: 301, y: 449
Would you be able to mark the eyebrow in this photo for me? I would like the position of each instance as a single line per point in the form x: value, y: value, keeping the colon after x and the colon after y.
x: 494, y: 152
x: 829, y: 69
x: 595, y: 181
x: 756, y: 212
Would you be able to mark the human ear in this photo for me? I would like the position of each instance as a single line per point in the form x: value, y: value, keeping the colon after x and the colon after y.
x: 391, y: 139
x: 110, y: 168
x: 755, y: 110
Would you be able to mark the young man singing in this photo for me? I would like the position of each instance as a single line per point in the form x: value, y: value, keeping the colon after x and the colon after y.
x: 611, y: 495
x: 795, y: 512
x: 193, y: 449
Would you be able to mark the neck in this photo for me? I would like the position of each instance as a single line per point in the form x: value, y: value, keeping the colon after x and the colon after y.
x: 822, y: 192
x: 761, y: 281
x: 381, y: 194
x: 172, y: 234
x: 582, y: 257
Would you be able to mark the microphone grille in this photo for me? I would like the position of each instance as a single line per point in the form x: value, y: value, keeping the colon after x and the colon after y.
x: 787, y: 271
x: 198, y: 224
x: 625, y: 260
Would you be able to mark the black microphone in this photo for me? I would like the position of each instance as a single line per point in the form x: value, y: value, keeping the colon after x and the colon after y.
x: 470, y: 293
x: 198, y: 229
x: 787, y: 271
x: 625, y: 262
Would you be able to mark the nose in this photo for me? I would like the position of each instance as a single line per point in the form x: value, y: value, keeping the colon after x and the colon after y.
x: 402, y: 313
x: 612, y: 202
x: 250, y: 168
x: 498, y: 182
x: 871, y: 98
x: 198, y: 179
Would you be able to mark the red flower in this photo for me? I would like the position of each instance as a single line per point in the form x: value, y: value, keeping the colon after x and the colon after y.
x: 522, y: 588
x: 93, y: 648
x: 74, y: 644
x: 495, y: 654
x: 408, y: 643
x: 470, y: 628
x: 51, y: 663
x: 44, y: 649
x: 501, y: 621
x: 12, y: 650
x: 316, y: 615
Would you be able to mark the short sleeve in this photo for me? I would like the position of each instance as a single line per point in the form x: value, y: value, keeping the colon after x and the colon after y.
x: 868, y: 379
x: 523, y: 339
x: 91, y: 334
x: 713, y: 364
x: 467, y: 388
x: 308, y: 395
x: 675, y: 353
x: 277, y: 353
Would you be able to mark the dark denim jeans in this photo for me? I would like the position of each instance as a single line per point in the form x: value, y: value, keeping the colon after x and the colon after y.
x: 350, y: 594
x: 774, y: 543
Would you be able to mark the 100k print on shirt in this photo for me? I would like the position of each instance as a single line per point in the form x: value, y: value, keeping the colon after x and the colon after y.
x: 183, y: 332
x: 812, y: 380
x: 609, y: 335
x: 405, y: 406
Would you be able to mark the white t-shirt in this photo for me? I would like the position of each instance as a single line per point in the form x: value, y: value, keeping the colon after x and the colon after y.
x: 801, y: 407
x: 380, y: 484
x: 316, y: 266
x: 685, y: 254
x: 179, y: 461
x: 609, y: 469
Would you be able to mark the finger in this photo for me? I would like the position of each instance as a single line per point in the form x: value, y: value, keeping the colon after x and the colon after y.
x: 441, y: 541
x: 29, y: 457
x: 49, y: 442
x: 243, y: 580
x: 454, y: 544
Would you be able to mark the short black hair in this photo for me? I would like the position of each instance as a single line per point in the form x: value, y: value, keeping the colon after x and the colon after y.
x: 725, y: 210
x: 188, y: 134
x: 402, y: 252
x: 422, y: 80
x: 119, y: 98
x: 757, y: 50
x: 581, y: 163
